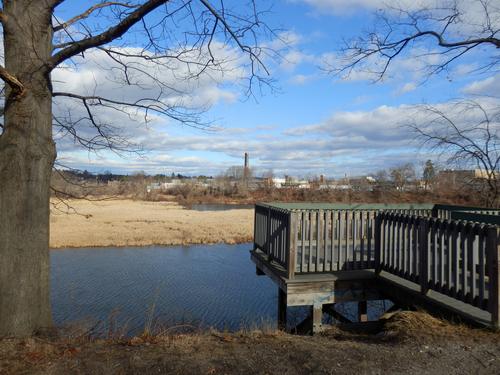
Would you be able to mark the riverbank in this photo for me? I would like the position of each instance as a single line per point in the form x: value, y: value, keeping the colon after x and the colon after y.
x: 122, y: 222
x: 409, y: 343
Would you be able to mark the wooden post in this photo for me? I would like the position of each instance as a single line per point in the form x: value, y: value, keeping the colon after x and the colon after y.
x: 378, y: 247
x: 435, y: 212
x: 317, y: 317
x: 319, y: 237
x: 268, y: 234
x: 493, y: 261
x: 281, y: 309
x: 292, y: 244
x: 255, y: 231
x: 423, y: 251
x: 362, y: 311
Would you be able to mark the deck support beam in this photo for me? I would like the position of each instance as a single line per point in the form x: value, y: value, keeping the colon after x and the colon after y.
x: 330, y: 310
x: 317, y: 317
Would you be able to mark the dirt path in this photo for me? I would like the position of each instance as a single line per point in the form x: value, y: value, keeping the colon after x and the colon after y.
x: 139, y: 223
x: 405, y: 346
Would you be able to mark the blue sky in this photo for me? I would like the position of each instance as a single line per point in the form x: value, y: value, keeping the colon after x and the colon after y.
x: 312, y: 122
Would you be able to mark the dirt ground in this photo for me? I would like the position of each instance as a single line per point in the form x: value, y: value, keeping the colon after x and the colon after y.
x: 138, y: 223
x: 409, y: 343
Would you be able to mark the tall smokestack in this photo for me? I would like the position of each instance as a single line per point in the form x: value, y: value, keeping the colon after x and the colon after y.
x: 246, y: 160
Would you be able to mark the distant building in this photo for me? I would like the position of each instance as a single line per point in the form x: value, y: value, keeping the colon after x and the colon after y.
x: 458, y: 178
x: 153, y: 186
x: 278, y: 182
x: 288, y: 182
x: 172, y: 184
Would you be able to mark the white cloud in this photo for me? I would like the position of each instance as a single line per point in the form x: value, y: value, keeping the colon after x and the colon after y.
x: 302, y: 79
x: 285, y: 39
x: 471, y: 13
x: 187, y: 83
x: 353, y: 142
x: 181, y: 89
x: 349, y: 6
x: 413, y: 65
x: 294, y: 58
x: 407, y: 87
x: 488, y: 86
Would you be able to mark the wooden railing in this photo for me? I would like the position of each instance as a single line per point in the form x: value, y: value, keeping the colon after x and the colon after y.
x: 457, y: 258
x: 340, y: 237
x: 454, y: 258
x: 449, y: 212
x: 272, y: 233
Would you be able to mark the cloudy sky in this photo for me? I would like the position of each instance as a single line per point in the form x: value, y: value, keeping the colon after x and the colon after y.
x: 308, y: 122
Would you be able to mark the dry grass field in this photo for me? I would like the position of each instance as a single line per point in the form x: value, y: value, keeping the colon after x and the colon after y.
x: 139, y: 223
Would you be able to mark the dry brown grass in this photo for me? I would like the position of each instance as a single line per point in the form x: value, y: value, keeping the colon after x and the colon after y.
x: 139, y: 223
x: 416, y: 325
x: 262, y: 352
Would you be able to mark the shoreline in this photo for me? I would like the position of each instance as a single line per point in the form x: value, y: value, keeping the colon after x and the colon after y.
x: 129, y: 223
x: 146, y: 246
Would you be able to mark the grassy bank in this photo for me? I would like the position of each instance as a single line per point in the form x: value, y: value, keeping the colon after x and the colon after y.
x: 121, y: 222
x: 409, y: 343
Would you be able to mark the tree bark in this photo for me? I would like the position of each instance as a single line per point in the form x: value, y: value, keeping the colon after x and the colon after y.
x: 27, y: 154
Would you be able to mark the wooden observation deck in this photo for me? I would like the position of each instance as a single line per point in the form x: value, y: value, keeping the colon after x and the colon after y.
x: 439, y: 257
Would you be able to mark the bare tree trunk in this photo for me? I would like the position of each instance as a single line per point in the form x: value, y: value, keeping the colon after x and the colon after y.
x: 27, y: 154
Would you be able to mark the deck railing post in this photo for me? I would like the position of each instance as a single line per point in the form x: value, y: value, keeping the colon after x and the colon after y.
x: 378, y: 235
x: 423, y: 251
x: 255, y: 227
x: 292, y: 244
x: 493, y: 261
x: 435, y: 212
x: 268, y: 233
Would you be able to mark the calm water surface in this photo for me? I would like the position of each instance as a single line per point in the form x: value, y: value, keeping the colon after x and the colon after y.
x: 208, y: 285
x: 219, y: 207
x: 203, y: 285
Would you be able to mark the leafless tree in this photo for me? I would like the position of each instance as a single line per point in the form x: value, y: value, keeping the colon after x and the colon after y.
x: 239, y: 173
x: 466, y: 135
x: 165, y: 48
x: 402, y: 175
x: 439, y: 36
x: 453, y: 29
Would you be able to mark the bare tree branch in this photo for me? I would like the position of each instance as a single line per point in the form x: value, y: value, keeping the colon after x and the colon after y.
x: 168, y: 65
x: 73, y: 48
x: 220, y: 18
x: 16, y: 86
x: 468, y: 135
x: 399, y: 30
x: 112, y: 33
x: 89, y: 11
x: 145, y: 104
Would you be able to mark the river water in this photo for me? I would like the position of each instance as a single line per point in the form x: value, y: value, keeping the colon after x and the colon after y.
x: 219, y: 207
x: 199, y: 286
x: 203, y: 285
